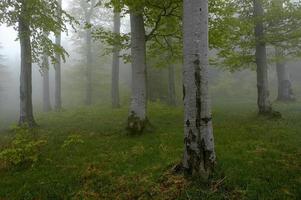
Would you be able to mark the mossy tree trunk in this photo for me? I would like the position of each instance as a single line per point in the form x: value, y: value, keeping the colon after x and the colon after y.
x: 199, y: 153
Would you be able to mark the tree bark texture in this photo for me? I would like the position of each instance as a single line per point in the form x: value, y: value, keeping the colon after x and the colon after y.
x: 199, y: 154
x: 137, y: 116
x: 264, y: 105
x: 26, y: 108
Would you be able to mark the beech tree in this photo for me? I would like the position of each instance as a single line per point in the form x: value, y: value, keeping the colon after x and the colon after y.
x: 88, y: 9
x: 154, y: 13
x: 137, y: 118
x: 255, y: 25
x: 199, y: 154
x: 115, y: 60
x: 263, y: 101
x: 46, y: 85
x: 32, y: 18
x: 285, y: 90
x: 161, y: 25
x: 57, y: 65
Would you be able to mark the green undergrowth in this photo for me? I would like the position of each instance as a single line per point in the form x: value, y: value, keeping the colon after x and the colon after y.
x: 89, y: 155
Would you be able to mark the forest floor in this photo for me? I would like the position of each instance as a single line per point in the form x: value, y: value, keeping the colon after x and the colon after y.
x: 88, y: 155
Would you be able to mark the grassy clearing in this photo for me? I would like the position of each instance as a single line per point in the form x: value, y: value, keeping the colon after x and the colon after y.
x: 90, y: 156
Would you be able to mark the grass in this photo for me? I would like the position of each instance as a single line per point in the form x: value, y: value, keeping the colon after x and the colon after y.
x: 257, y: 158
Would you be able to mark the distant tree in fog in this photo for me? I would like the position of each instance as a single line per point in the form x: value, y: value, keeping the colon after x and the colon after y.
x: 89, y: 15
x: 46, y: 86
x: 115, y: 59
x: 57, y: 65
x: 285, y: 89
x: 256, y: 26
x: 32, y: 19
x: 88, y: 8
x: 1, y: 74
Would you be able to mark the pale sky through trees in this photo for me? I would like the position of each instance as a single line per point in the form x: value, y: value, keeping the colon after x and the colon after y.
x: 10, y: 47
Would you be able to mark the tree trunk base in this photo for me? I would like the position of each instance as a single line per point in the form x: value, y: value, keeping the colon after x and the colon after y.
x: 136, y: 125
x: 28, y: 122
x: 270, y: 114
x: 58, y: 109
x: 47, y: 109
x: 286, y: 99
x: 116, y: 106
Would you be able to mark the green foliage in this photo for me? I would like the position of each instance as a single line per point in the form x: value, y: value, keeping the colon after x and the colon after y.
x: 43, y: 17
x: 281, y: 28
x: 163, y: 24
x: 72, y: 140
x: 113, y: 40
x: 22, y: 151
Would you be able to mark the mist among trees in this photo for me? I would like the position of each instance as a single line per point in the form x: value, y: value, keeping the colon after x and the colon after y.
x: 150, y: 99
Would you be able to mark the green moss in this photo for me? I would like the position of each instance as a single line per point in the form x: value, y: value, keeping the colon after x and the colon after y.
x: 136, y: 125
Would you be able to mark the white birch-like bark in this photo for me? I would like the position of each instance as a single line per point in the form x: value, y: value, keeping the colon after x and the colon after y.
x: 115, y: 64
x: 137, y: 116
x: 57, y: 68
x: 199, y: 154
x: 26, y: 108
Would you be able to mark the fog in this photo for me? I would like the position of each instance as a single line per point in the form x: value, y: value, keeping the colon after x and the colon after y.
x: 228, y: 86
x: 71, y: 78
x: 150, y: 99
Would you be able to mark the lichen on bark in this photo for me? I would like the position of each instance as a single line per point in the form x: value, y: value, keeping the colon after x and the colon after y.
x: 199, y: 155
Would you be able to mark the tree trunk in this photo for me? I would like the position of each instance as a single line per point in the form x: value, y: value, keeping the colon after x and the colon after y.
x: 171, y: 78
x: 137, y: 117
x: 89, y: 65
x: 57, y: 67
x: 199, y: 154
x: 26, y: 109
x: 285, y: 91
x: 115, y: 65
x: 171, y: 85
x: 46, y: 89
x: 263, y: 101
